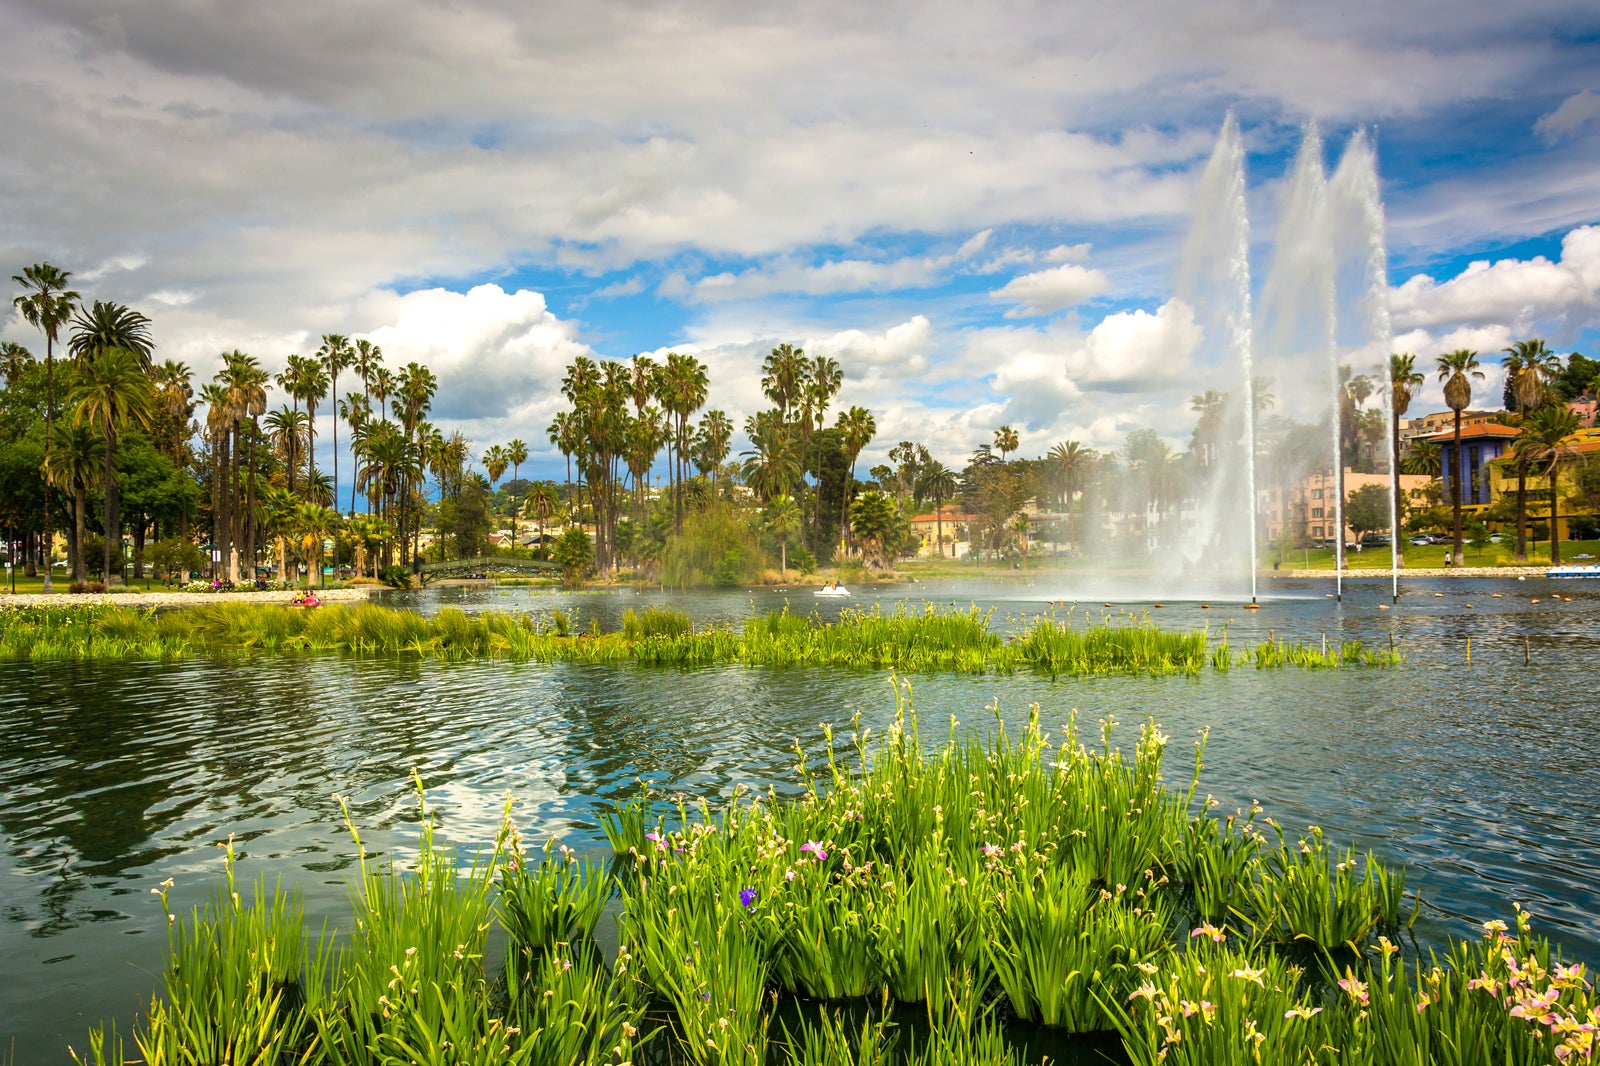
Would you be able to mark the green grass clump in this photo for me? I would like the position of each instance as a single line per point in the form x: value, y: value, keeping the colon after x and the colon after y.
x: 902, y: 639
x: 1004, y: 887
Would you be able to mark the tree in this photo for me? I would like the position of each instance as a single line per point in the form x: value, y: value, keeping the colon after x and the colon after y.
x: 70, y: 465
x: 574, y: 551
x: 873, y: 518
x: 1456, y: 370
x: 544, y: 500
x: 781, y: 517
x: 1531, y: 371
x: 858, y: 427
x: 311, y: 524
x: 1404, y: 381
x: 1005, y: 441
x: 939, y: 482
x: 1367, y: 509
x: 113, y: 393
x: 772, y: 462
x: 336, y: 354
x: 516, y: 455
x: 109, y: 325
x: 1546, y: 431
x: 46, y: 308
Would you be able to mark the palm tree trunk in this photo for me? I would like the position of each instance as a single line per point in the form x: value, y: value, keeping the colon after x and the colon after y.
x: 113, y: 533
x: 235, y: 516
x: 1458, y: 557
x: 49, y: 412
x: 80, y: 523
x: 1399, y: 507
x: 250, y: 503
x: 1522, y: 512
x: 1555, y: 533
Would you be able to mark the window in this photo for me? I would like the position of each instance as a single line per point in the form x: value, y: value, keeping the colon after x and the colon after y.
x: 1316, y: 512
x: 1316, y: 531
x: 1316, y: 494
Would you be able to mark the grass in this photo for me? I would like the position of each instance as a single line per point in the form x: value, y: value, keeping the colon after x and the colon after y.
x: 998, y: 886
x: 1426, y: 556
x: 931, y: 639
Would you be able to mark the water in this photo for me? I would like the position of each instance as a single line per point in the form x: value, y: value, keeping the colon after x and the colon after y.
x: 115, y: 776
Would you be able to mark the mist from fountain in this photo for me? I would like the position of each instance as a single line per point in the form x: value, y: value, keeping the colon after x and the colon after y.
x: 1324, y: 305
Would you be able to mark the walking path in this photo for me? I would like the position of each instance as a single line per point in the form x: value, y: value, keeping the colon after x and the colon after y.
x: 1423, y: 571
x: 173, y: 599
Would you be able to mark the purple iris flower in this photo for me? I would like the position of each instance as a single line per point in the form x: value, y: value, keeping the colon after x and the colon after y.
x: 748, y: 897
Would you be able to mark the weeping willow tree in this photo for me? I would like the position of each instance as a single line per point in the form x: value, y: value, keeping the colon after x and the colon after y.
x: 717, y: 547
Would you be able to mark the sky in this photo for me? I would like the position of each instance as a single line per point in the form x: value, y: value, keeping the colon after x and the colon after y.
x: 977, y: 209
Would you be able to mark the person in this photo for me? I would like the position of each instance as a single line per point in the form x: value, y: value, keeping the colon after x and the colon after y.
x: 312, y: 601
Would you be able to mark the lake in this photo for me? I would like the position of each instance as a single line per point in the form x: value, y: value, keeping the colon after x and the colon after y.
x: 1482, y: 780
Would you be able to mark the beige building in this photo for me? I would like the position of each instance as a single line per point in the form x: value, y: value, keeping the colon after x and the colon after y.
x: 1309, y: 507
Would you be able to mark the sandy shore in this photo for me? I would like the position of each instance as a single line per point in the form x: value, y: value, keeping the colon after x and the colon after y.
x: 1423, y: 571
x: 173, y: 599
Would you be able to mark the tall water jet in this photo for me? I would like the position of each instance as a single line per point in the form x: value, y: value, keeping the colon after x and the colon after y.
x: 1214, y: 280
x: 1358, y: 204
x: 1299, y: 305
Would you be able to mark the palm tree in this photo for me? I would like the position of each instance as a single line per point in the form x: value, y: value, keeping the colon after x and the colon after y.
x: 108, y: 325
x: 287, y: 427
x: 310, y: 524
x: 940, y: 482
x: 1546, y: 431
x: 14, y: 361
x: 73, y: 457
x: 1424, y: 460
x: 247, y: 385
x: 336, y: 355
x: 516, y: 455
x: 873, y: 516
x: 772, y: 462
x: 714, y: 438
x: 46, y: 308
x: 544, y: 500
x: 781, y: 517
x: 1456, y: 369
x: 1404, y: 380
x: 1068, y: 462
x: 782, y: 373
x: 1005, y: 441
x: 1530, y: 369
x: 682, y: 392
x: 113, y: 393
x: 858, y: 427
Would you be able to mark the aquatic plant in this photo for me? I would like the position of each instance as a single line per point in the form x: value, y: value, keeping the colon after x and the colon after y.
x: 902, y: 639
x: 1063, y: 880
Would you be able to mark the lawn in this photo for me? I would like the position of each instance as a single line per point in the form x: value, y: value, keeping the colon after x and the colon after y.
x: 1433, y: 555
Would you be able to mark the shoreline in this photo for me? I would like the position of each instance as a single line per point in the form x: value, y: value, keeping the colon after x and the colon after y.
x: 174, y: 599
x: 1418, y: 571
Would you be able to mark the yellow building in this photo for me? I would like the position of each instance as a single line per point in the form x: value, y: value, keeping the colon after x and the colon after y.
x: 1582, y: 445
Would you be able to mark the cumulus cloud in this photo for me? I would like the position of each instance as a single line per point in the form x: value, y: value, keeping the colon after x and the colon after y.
x: 497, y: 354
x: 1518, y: 292
x: 1047, y: 291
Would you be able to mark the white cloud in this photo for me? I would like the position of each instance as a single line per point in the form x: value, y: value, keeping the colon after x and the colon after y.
x: 1047, y: 291
x: 1517, y: 292
x: 497, y: 354
x: 1575, y: 112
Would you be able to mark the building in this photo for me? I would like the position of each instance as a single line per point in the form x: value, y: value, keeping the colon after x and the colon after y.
x: 1309, y: 508
x: 954, y: 520
x: 1481, y: 444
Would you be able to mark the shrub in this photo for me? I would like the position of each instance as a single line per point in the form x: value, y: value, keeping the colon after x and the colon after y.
x: 395, y: 576
x: 574, y: 551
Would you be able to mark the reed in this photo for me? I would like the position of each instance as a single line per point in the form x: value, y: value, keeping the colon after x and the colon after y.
x: 903, y: 639
x: 1061, y: 877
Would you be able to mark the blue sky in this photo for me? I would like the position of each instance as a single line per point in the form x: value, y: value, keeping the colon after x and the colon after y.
x: 978, y: 210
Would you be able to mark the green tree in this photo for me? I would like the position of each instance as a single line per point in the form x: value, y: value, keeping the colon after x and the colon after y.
x: 939, y: 483
x: 873, y: 517
x: 575, y: 552
x: 1404, y: 381
x: 781, y: 517
x: 858, y: 427
x: 47, y: 306
x: 516, y: 455
x: 71, y: 463
x: 1546, y: 431
x: 113, y: 393
x: 1005, y: 441
x: 1366, y: 510
x: 772, y: 462
x: 1456, y: 370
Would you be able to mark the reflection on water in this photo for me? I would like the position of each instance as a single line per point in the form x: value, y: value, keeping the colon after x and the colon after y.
x: 114, y: 776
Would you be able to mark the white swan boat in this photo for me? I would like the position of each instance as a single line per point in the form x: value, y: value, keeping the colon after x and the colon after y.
x: 832, y: 590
